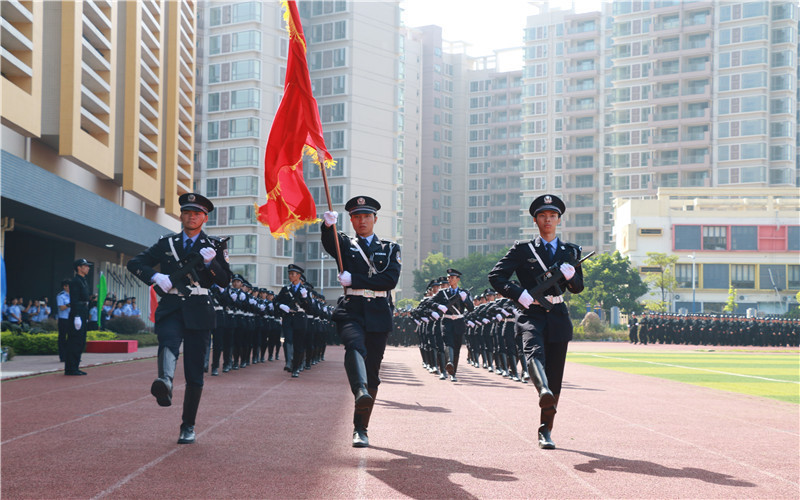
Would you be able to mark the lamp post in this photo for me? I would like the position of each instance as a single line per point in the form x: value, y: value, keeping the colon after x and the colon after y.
x: 322, y: 272
x: 693, y: 256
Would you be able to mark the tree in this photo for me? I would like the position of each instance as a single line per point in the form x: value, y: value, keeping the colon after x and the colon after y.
x: 403, y: 303
x: 730, y: 305
x: 434, y: 265
x: 609, y: 280
x: 475, y: 269
x: 665, y: 278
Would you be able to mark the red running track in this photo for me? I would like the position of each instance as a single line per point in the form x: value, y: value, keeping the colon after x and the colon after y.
x: 262, y: 434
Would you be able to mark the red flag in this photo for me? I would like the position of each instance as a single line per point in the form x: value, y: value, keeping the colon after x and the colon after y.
x: 296, y: 130
x: 153, y: 303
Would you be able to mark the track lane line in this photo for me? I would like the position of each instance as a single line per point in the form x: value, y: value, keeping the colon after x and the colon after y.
x: 158, y: 460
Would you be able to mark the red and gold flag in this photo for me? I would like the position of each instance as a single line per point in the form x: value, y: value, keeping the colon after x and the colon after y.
x: 296, y: 131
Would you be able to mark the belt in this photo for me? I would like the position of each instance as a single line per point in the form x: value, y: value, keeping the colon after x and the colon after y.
x: 193, y: 291
x: 453, y: 316
x: 217, y: 308
x: 366, y: 292
x: 554, y: 299
x: 506, y: 320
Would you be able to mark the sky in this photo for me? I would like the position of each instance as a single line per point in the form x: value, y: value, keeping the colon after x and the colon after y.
x: 485, y: 25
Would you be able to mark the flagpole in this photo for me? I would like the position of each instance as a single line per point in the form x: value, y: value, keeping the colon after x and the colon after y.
x: 330, y: 209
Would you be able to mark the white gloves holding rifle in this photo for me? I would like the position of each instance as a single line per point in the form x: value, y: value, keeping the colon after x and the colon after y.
x: 525, y: 299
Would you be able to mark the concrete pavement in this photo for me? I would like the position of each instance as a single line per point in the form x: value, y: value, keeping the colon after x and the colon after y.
x: 25, y: 366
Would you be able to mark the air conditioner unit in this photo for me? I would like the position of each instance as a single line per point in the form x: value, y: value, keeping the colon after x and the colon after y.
x: 677, y: 297
x: 741, y: 297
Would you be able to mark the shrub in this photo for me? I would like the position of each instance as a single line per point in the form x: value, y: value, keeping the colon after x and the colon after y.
x: 125, y: 325
x: 42, y: 343
x: 144, y: 338
x: 48, y: 325
x: 9, y: 353
x: 592, y: 324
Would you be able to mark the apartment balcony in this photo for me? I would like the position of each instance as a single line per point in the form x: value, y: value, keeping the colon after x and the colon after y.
x: 673, y: 118
x: 693, y: 94
x: 578, y: 32
x: 583, y: 209
x: 674, y: 141
x: 697, y: 162
x: 579, y: 169
x: 572, y: 130
x: 665, y: 74
x: 667, y: 28
x: 582, y: 51
x: 580, y: 149
x: 697, y: 26
x: 581, y: 109
x: 575, y: 188
x: 662, y: 96
x: 577, y: 91
x: 582, y: 71
x: 696, y: 48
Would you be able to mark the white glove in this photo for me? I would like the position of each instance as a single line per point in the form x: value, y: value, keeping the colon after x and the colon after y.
x: 498, y: 317
x: 485, y: 321
x: 241, y: 296
x: 262, y: 307
x: 567, y: 270
x: 345, y: 278
x: 506, y: 313
x: 330, y: 217
x: 303, y: 293
x: 463, y: 296
x: 271, y: 307
x: 285, y: 308
x: 425, y: 320
x: 233, y: 293
x: 471, y: 324
x: 435, y: 315
x: 525, y: 299
x: 78, y: 322
x: 417, y: 322
x: 162, y: 280
x: 442, y: 307
x: 252, y: 301
x: 208, y: 254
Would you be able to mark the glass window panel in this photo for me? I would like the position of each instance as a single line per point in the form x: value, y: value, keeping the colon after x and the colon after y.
x: 744, y: 238
x: 771, y: 276
x: 687, y: 238
x: 715, y: 276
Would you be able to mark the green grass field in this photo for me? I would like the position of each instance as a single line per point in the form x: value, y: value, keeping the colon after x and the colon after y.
x: 772, y: 375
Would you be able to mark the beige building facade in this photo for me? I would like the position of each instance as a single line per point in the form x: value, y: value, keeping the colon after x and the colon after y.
x: 748, y: 240
x: 97, y: 136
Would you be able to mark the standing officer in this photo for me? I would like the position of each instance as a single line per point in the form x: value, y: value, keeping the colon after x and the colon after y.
x: 78, y: 318
x: 545, y: 334
x: 62, y: 308
x: 453, y: 302
x: 363, y: 316
x: 186, y: 313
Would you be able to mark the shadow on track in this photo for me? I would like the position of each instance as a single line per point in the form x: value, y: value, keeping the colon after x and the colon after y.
x: 394, y: 405
x: 603, y: 462
x: 420, y: 476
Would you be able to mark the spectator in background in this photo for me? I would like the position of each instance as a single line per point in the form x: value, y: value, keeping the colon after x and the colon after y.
x: 127, y: 310
x: 5, y: 309
x: 108, y: 306
x: 117, y: 312
x: 92, y: 325
x: 25, y: 308
x: 135, y: 312
x: 15, y: 312
x: 62, y: 304
x: 44, y: 310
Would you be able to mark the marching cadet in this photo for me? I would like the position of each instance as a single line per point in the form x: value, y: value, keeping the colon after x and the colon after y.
x: 545, y: 332
x: 363, y: 315
x: 453, y: 302
x: 218, y: 332
x: 274, y: 329
x: 293, y: 300
x: 185, y: 313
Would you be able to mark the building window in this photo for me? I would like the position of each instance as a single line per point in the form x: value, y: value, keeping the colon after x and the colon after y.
x: 744, y: 237
x: 772, y: 276
x: 715, y: 238
x: 284, y: 248
x: 743, y: 276
x: 683, y: 275
x: 248, y: 271
x: 793, y: 277
x: 687, y: 238
x: 715, y: 276
x: 243, y: 244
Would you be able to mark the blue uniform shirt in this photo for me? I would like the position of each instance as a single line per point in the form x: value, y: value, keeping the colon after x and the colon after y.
x: 62, y: 299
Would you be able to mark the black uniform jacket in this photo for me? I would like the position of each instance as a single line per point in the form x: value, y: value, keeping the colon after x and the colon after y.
x: 198, y: 310
x: 459, y: 307
x: 78, y: 298
x: 521, y: 260
x: 295, y: 300
x: 375, y: 313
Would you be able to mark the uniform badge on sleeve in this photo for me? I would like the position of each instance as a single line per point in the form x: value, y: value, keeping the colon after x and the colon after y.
x: 225, y: 254
x: 398, y: 258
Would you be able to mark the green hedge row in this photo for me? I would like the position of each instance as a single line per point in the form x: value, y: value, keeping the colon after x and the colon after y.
x: 43, y: 343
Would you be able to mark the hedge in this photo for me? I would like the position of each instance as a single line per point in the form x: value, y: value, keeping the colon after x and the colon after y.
x: 43, y: 343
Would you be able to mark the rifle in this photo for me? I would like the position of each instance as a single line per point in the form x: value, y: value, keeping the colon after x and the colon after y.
x: 552, y: 276
x: 186, y: 274
x: 452, y: 301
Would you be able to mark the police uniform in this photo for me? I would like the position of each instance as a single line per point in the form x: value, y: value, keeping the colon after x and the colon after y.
x: 363, y: 316
x: 62, y: 299
x: 78, y: 321
x: 453, y: 303
x: 186, y: 312
x: 545, y: 333
x: 293, y: 300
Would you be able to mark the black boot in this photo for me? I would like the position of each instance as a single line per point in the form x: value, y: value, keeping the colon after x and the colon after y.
x: 536, y: 371
x: 162, y: 386
x: 361, y: 422
x: 547, y: 416
x: 449, y: 366
x: 288, y: 354
x: 442, y: 366
x: 357, y: 375
x: 191, y: 400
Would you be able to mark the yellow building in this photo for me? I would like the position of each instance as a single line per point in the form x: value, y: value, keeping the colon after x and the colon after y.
x: 725, y: 237
x: 97, y: 114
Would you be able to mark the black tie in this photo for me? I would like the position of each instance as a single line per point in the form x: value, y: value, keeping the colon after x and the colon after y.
x: 364, y: 244
x: 188, y: 244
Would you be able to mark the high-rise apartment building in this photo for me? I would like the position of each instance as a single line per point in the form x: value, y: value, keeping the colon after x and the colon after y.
x: 494, y: 125
x: 359, y: 80
x: 98, y: 123
x: 657, y: 94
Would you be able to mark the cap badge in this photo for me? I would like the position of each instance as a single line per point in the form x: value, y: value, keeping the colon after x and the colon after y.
x: 548, y: 199
x: 190, y: 197
x: 361, y: 201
